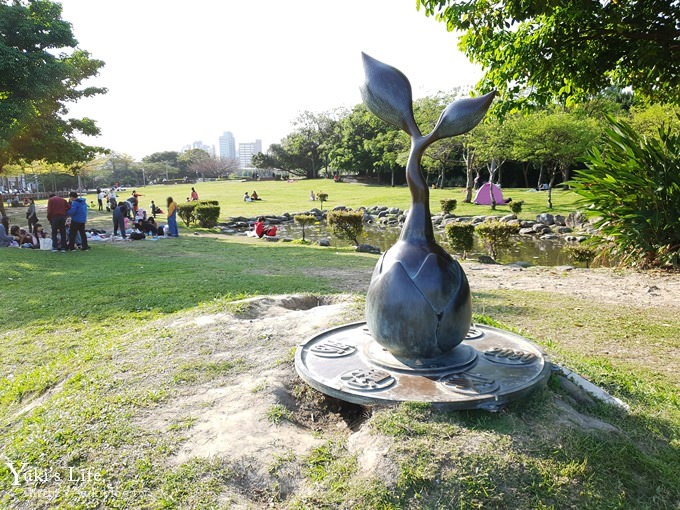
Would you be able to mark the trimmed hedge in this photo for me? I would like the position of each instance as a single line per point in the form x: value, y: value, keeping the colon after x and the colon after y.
x: 460, y: 236
x: 187, y: 211
x: 207, y: 215
x: 496, y: 236
x: 448, y: 205
x: 303, y: 220
x: 347, y: 224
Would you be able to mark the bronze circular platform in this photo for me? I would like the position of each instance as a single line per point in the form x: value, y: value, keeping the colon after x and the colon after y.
x: 490, y: 368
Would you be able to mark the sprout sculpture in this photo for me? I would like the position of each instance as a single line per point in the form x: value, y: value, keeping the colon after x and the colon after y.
x: 418, y: 302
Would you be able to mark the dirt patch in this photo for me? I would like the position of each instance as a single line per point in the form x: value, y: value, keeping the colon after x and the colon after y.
x: 616, y: 286
x: 265, y: 421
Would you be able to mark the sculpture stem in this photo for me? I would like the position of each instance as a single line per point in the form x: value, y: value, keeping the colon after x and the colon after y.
x: 418, y: 225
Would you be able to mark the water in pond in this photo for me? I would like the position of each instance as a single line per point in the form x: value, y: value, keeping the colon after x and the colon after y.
x: 526, y: 249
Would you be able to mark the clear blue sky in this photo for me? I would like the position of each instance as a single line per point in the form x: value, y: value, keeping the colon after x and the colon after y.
x: 180, y: 71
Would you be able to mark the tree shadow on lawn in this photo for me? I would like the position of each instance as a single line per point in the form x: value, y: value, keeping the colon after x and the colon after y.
x: 154, y: 277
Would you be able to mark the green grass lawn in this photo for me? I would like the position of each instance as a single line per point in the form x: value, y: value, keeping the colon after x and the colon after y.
x: 279, y: 197
x: 72, y: 393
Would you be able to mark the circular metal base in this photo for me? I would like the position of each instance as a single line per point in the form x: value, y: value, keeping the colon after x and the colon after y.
x: 490, y: 368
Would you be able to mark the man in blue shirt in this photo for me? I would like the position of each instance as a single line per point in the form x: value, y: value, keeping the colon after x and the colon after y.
x: 78, y: 214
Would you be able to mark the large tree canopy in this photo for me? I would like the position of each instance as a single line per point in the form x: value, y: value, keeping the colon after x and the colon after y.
x: 535, y: 51
x: 41, y: 71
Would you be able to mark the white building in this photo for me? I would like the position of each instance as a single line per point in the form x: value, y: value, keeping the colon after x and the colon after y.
x: 227, y: 146
x: 246, y: 151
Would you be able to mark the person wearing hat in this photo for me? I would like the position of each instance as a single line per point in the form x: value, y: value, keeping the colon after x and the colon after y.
x: 78, y: 214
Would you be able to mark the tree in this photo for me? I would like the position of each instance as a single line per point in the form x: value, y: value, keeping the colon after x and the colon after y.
x: 536, y: 52
x: 363, y: 141
x: 554, y: 143
x: 214, y: 167
x: 41, y: 70
x: 190, y: 161
x: 119, y: 168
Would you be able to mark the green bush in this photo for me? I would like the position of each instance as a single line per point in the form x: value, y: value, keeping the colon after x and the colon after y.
x: 460, y: 236
x: 207, y: 215
x: 634, y: 185
x: 322, y: 197
x: 187, y: 211
x: 347, y: 225
x: 448, y: 205
x: 516, y: 207
x: 303, y: 220
x: 496, y: 236
x: 580, y: 253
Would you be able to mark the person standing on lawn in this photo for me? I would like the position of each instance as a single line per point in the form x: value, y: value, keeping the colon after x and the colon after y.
x: 78, y: 214
x: 57, y: 207
x: 172, y: 218
x: 31, y: 215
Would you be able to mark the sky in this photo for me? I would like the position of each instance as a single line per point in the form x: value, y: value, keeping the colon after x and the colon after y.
x: 180, y: 71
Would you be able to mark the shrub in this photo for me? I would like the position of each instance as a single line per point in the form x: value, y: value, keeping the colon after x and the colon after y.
x: 303, y: 220
x: 495, y: 236
x: 448, y: 205
x: 347, y: 224
x: 322, y: 197
x: 634, y: 185
x: 207, y: 215
x: 187, y: 210
x: 580, y: 253
x: 516, y: 207
x: 460, y: 236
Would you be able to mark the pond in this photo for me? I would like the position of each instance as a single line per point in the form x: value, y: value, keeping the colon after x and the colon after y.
x: 526, y: 249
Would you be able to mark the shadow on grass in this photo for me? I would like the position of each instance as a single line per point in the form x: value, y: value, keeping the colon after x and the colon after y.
x: 125, y: 279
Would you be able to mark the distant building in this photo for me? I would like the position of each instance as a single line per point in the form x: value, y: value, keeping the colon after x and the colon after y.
x: 210, y: 149
x: 227, y: 146
x: 246, y: 151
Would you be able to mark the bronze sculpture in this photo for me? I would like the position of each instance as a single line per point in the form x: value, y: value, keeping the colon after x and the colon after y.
x: 417, y: 343
x: 418, y: 302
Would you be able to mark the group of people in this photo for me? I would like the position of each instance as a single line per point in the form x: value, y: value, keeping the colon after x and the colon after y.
x: 19, y: 237
x: 128, y: 211
x: 67, y: 220
x: 253, y: 196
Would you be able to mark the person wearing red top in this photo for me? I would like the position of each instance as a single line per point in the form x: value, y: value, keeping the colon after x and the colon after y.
x: 261, y: 230
x: 57, y: 207
x: 194, y: 195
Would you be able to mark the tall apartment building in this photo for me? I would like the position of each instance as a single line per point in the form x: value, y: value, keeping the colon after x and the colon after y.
x: 227, y: 146
x: 246, y: 152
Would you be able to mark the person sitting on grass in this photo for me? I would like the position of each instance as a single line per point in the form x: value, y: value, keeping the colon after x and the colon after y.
x: 255, y: 196
x: 147, y: 226
x: 37, y: 235
x: 22, y: 237
x: 261, y: 230
x: 6, y: 240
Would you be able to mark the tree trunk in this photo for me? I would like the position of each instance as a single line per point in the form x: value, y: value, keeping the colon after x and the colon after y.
x: 540, y: 177
x: 525, y: 172
x: 468, y: 157
x: 553, y: 174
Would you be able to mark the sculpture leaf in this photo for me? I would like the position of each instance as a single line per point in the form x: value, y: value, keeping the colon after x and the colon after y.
x: 387, y: 94
x: 461, y: 116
